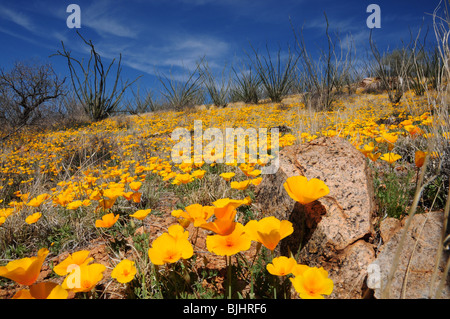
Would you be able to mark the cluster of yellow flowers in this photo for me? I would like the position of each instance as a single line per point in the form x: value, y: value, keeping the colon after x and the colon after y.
x: 230, y: 237
x: 142, y: 147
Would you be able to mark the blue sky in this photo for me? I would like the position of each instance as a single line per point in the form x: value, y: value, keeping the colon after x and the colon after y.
x: 165, y: 36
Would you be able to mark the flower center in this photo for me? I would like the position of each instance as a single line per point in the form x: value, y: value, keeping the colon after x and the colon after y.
x: 86, y: 284
x: 229, y: 243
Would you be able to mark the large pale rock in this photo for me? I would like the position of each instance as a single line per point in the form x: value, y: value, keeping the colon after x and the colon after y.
x: 333, y: 232
x: 413, y: 276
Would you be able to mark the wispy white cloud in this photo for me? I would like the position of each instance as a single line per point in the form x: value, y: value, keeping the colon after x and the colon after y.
x: 177, y: 54
x: 102, y: 17
x: 18, y: 18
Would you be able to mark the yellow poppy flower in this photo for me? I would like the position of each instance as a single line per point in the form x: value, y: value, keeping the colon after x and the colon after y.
x: 299, y: 269
x: 256, y: 181
x: 84, y: 278
x: 38, y: 200
x: 171, y: 247
x: 281, y: 266
x: 5, y: 212
x: 225, y: 206
x: 240, y: 185
x: 33, y: 218
x: 197, y: 214
x: 78, y: 258
x: 305, y: 191
x: 390, y: 157
x: 74, y: 205
x: 231, y: 244
x: 106, y: 203
x: 182, y: 179
x: 368, y: 148
x: 253, y: 173
x: 373, y: 157
x: 135, y: 186
x: 225, y: 213
x: 141, y: 214
x: 113, y: 193
x: 313, y: 283
x: 198, y: 174
x: 124, y: 271
x: 227, y: 176
x: 222, y: 226
x: 269, y: 231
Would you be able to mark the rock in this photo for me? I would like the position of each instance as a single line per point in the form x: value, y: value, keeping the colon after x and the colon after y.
x: 417, y: 259
x: 388, y: 227
x: 332, y: 232
x: 202, y: 107
x: 350, y: 278
x: 368, y: 81
x: 369, y: 85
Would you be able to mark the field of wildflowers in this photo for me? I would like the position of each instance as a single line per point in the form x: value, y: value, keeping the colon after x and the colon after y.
x: 110, y: 181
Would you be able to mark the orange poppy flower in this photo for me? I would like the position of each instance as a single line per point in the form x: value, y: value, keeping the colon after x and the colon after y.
x: 419, y: 158
x: 25, y: 271
x: 225, y: 213
x: 43, y: 290
x: 107, y: 221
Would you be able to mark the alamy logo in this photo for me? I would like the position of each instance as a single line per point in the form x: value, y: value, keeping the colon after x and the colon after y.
x: 373, y: 276
x: 229, y: 149
x: 74, y: 19
x: 373, y: 20
x: 74, y: 277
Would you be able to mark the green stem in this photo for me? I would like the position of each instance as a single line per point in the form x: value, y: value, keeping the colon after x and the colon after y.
x: 274, y: 283
x: 157, y: 280
x: 229, y: 276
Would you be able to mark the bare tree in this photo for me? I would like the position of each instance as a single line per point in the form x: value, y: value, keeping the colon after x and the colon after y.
x: 24, y: 90
x: 392, y: 69
x: 320, y: 79
x: 90, y: 82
